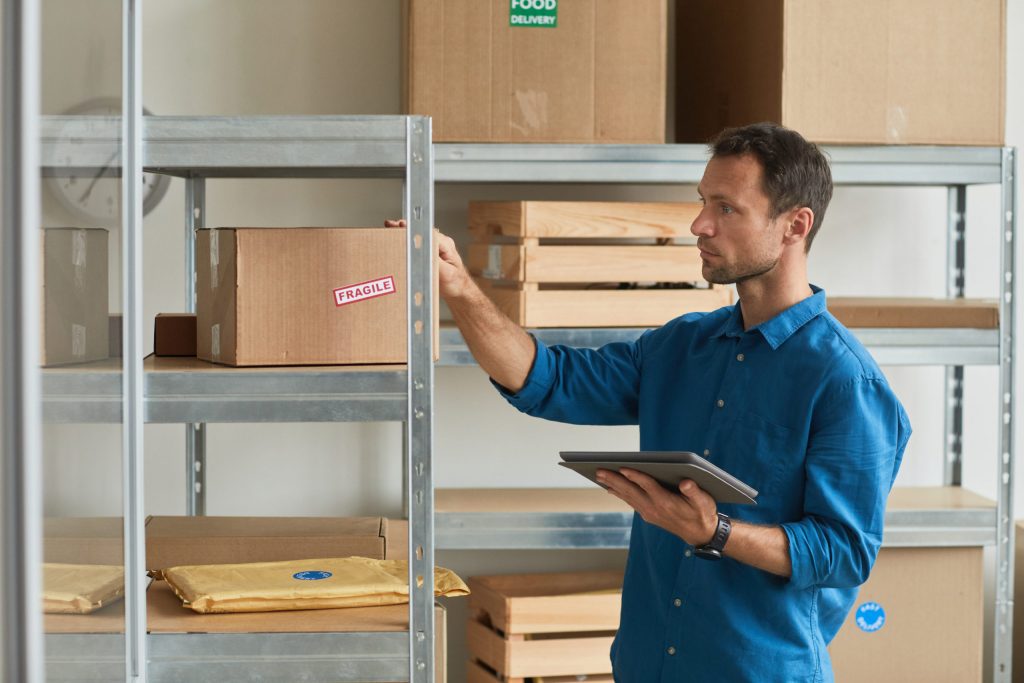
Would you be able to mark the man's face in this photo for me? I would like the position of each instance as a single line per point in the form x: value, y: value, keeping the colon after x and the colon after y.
x: 737, y: 237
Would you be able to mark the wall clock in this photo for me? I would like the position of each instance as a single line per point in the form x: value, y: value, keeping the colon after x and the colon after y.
x: 95, y: 194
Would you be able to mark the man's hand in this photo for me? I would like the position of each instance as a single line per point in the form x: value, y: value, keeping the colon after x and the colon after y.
x: 691, y: 514
x: 453, y: 278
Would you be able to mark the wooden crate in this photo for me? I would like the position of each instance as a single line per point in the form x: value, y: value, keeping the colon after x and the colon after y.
x: 563, y: 264
x: 543, y: 625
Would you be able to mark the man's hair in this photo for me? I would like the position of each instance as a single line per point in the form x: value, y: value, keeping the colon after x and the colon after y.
x: 796, y: 173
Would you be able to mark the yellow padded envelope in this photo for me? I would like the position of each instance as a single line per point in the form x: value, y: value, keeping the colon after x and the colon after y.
x: 80, y: 588
x: 301, y: 584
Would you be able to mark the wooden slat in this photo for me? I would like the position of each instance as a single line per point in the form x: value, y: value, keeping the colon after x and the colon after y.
x: 477, y: 673
x: 603, y: 307
x: 583, y: 263
x: 545, y: 657
x: 561, y: 602
x: 904, y: 312
x: 582, y: 219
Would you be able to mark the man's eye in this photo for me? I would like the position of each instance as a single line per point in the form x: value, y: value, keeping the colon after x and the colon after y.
x: 726, y: 208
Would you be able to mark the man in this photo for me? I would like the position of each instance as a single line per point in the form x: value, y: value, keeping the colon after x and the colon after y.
x: 773, y: 390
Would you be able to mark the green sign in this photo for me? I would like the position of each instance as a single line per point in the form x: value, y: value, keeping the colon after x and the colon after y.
x: 533, y: 13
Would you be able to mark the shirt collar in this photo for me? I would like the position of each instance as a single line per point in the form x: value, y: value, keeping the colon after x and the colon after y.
x: 780, y: 328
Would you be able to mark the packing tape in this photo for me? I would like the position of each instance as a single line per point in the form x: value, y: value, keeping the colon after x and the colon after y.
x: 215, y: 341
x: 214, y: 256
x: 77, y: 341
x: 532, y: 106
x: 493, y: 271
x: 78, y: 257
x: 896, y: 121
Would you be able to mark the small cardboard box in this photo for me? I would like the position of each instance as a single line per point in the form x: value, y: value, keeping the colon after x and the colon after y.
x: 304, y: 296
x: 75, y: 316
x: 174, y: 541
x: 919, y: 617
x: 586, y: 71
x: 844, y: 71
x: 174, y: 334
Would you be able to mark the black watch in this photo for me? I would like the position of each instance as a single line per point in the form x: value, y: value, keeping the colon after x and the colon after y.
x: 712, y: 550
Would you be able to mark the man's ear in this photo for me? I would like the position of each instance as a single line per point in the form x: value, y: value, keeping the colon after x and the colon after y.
x: 798, y: 225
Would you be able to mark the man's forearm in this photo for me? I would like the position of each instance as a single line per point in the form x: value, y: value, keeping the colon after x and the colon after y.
x: 764, y: 547
x: 502, y: 348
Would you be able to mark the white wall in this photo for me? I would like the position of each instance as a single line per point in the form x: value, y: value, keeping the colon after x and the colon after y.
x: 342, y: 57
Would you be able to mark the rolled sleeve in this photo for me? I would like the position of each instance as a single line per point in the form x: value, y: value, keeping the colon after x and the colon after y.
x: 857, y: 443
x: 581, y: 386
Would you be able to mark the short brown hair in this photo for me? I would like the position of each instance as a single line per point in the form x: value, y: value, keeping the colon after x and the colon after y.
x: 796, y: 173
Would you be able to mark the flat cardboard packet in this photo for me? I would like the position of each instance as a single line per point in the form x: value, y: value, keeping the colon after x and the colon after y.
x: 301, y: 584
x: 80, y: 588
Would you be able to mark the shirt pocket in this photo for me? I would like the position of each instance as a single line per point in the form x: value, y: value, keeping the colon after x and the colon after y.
x: 755, y: 450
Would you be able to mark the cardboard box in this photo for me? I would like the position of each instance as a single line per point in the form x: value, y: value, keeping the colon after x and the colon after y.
x: 596, y: 76
x: 846, y: 71
x: 173, y: 541
x: 896, y: 312
x: 919, y: 617
x: 84, y: 540
x: 303, y: 296
x: 75, y: 314
x: 174, y: 334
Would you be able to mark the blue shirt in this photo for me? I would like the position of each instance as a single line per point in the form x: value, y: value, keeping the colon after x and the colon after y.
x: 795, y: 407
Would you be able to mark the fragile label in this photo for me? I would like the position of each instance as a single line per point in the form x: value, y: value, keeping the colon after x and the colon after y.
x: 535, y: 13
x: 364, y: 290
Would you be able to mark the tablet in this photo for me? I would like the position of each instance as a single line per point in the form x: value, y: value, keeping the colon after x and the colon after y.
x: 668, y: 467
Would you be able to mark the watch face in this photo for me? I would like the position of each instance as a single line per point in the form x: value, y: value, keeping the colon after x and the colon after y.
x: 94, y: 193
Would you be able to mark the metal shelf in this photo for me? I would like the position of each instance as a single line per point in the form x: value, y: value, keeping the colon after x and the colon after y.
x: 933, y: 517
x: 223, y: 657
x: 233, y: 146
x: 898, y: 346
x: 525, y: 163
x: 179, y: 390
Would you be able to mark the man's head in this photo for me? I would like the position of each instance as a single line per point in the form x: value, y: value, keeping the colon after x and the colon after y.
x: 765, y: 190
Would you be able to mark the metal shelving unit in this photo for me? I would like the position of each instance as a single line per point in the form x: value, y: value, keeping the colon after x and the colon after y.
x: 951, y: 167
x: 195, y: 393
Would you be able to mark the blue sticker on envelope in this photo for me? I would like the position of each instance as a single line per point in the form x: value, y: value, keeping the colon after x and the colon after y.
x: 870, y: 617
x: 312, y: 576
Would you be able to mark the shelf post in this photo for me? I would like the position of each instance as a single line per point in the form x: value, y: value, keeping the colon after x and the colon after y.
x: 20, y: 403
x: 1004, y: 508
x: 195, y: 432
x: 418, y: 200
x: 133, y: 379
x: 954, y: 386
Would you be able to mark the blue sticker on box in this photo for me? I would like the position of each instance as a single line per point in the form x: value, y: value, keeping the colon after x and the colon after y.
x: 870, y: 617
x: 312, y: 576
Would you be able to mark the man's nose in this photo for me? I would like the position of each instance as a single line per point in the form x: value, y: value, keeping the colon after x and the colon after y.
x: 701, y: 226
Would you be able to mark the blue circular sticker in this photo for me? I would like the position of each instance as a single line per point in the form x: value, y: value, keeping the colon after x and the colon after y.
x: 312, y: 576
x: 870, y: 617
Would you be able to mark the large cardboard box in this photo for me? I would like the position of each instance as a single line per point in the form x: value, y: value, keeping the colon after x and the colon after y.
x: 919, y: 617
x: 844, y: 71
x: 597, y: 74
x: 172, y: 541
x: 304, y: 296
x: 84, y: 540
x: 75, y: 317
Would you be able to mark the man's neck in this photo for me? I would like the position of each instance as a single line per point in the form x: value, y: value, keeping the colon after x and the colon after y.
x: 764, y: 297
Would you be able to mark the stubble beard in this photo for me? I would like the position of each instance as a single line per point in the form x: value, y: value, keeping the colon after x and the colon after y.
x: 727, y: 275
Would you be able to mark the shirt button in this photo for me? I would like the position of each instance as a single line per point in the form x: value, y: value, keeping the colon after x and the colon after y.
x: 688, y: 552
x: 671, y: 650
x: 739, y: 357
x: 721, y: 403
x: 677, y: 602
x: 707, y: 452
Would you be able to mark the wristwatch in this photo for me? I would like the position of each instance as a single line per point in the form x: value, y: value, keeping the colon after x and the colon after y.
x: 712, y: 550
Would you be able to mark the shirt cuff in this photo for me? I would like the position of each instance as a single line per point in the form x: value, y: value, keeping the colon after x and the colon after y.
x: 538, y: 381
x: 801, y: 574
